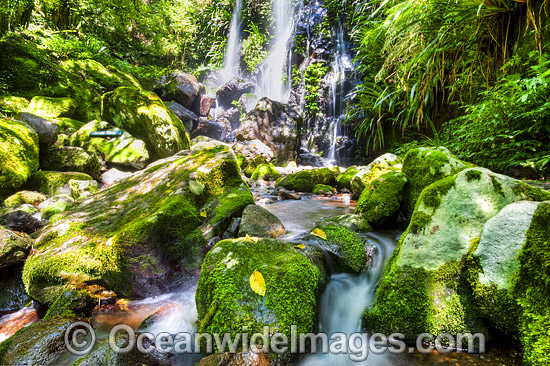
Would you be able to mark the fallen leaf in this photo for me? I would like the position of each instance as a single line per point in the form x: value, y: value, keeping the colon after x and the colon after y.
x: 300, y: 246
x: 320, y: 233
x: 203, y: 214
x: 257, y: 283
x: 252, y: 238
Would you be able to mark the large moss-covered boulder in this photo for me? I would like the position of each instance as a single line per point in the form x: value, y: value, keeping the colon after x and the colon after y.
x: 24, y: 198
x: 257, y: 221
x: 71, y: 159
x: 425, y: 288
x: 343, y: 180
x: 424, y: 166
x: 275, y: 124
x: 365, y: 176
x: 53, y: 183
x: 11, y: 105
x: 14, y: 247
x: 142, y: 233
x: 226, y: 303
x: 124, y: 150
x: 507, y: 272
x: 18, y: 155
x: 382, y: 199
x: 37, y: 344
x: 144, y: 115
x: 345, y: 246
x: 46, y: 107
x: 265, y: 172
x: 306, y: 180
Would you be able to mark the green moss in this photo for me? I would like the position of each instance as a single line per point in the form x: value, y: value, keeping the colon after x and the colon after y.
x: 24, y: 197
x: 424, y: 167
x: 52, y: 107
x: 266, y: 172
x: 306, y: 180
x: 322, y: 189
x: 49, y: 182
x: 344, y: 180
x: 531, y: 193
x: 18, y: 155
x: 241, y: 159
x: 473, y: 175
x: 347, y: 245
x: 70, y: 304
x: 381, y: 200
x: 497, y: 185
x: 226, y: 303
x: 11, y: 105
x: 71, y: 159
x: 532, y: 289
x: 251, y: 166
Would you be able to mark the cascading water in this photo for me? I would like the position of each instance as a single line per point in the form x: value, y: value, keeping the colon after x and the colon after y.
x: 232, y: 57
x: 346, y: 298
x: 275, y: 72
x: 341, y: 62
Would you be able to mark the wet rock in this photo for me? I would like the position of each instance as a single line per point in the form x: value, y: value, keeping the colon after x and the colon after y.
x: 145, y: 116
x: 20, y: 221
x: 232, y: 91
x: 306, y: 180
x: 217, y: 130
x: 307, y: 158
x: 14, y: 248
x: 113, y: 176
x: 179, y: 87
x: 236, y: 359
x: 233, y: 229
x: 275, y: 124
x: 205, y: 104
x: 123, y: 150
x: 24, y: 197
x: 54, y: 183
x: 381, y: 200
x: 286, y: 195
x: 383, y: 164
x: 351, y: 222
x: 257, y: 221
x: 138, y: 236
x: 71, y: 159
x: 13, y: 295
x: 52, y: 107
x: 18, y: 154
x: 46, y: 130
x: 10, y: 324
x: 188, y: 118
x: 82, y: 188
x: 323, y: 190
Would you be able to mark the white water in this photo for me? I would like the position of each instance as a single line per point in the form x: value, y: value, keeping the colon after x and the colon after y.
x: 340, y: 63
x: 275, y: 72
x: 232, y: 57
x: 346, y: 298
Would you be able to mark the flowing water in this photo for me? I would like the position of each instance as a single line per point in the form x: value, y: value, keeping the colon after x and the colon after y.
x: 232, y: 57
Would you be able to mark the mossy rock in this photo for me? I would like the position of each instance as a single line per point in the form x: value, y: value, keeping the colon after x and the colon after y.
x: 67, y: 126
x: 37, y: 344
x: 46, y: 107
x: 71, y: 159
x: 133, y: 236
x: 54, y: 206
x: 382, y: 199
x: 18, y: 155
x: 257, y: 221
x: 82, y: 188
x: 70, y: 304
x: 266, y: 172
x: 53, y: 183
x: 11, y: 105
x: 144, y: 115
x: 226, y: 302
x: 426, y: 286
x: 14, y: 248
x: 351, y: 222
x: 24, y: 197
x: 365, y: 176
x: 306, y: 180
x: 124, y: 150
x: 424, y: 166
x: 345, y: 246
x: 13, y: 296
x: 323, y: 189
x: 249, y: 167
x: 343, y: 180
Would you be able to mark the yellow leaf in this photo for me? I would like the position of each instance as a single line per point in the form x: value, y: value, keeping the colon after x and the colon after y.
x: 203, y: 214
x: 300, y: 246
x: 257, y: 283
x: 252, y: 238
x: 320, y: 233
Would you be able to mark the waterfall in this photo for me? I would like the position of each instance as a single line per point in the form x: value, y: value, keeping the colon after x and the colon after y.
x: 275, y: 73
x: 340, y: 63
x: 232, y: 57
